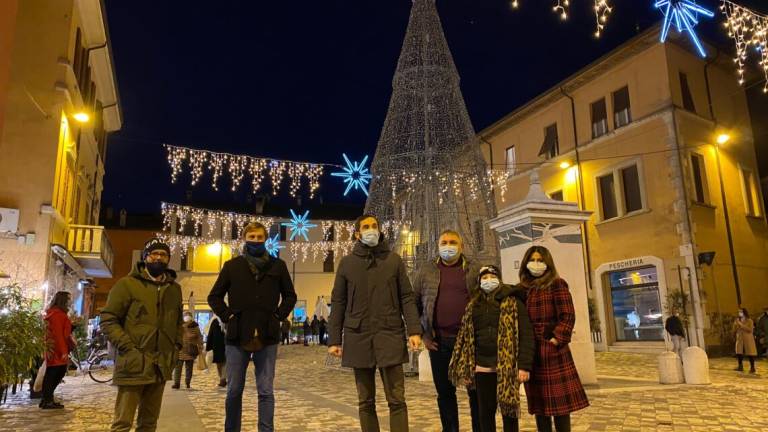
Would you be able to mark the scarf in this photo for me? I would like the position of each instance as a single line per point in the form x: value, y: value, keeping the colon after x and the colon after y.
x: 257, y: 264
x: 461, y: 370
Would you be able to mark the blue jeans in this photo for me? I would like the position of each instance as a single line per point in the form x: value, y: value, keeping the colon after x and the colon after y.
x: 264, y: 364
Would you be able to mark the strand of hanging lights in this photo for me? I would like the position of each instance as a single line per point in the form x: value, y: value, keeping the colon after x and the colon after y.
x: 749, y: 30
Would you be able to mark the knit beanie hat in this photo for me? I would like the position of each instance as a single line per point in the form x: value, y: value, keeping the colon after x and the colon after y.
x: 153, y: 245
x: 492, y: 269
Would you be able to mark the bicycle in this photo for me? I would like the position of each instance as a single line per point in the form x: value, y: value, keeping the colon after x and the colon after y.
x: 101, y: 362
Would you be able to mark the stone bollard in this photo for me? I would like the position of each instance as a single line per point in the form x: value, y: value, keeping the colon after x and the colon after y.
x: 696, y: 366
x: 670, y: 368
x: 425, y: 367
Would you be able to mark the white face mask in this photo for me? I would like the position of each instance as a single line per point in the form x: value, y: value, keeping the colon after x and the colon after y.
x: 536, y: 268
x: 187, y: 318
x: 370, y: 238
x: 449, y: 252
x: 488, y: 285
x: 741, y: 314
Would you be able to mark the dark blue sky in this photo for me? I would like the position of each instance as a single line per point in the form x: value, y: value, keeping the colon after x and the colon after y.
x: 308, y: 80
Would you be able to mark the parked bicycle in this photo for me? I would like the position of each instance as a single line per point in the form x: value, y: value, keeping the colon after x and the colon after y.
x: 99, y: 364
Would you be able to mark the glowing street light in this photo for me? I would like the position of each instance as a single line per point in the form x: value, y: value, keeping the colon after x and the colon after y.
x: 723, y: 138
x: 81, y: 117
x: 565, y: 164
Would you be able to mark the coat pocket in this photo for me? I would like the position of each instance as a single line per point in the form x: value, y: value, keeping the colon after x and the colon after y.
x: 352, y: 323
x: 130, y: 363
x: 233, y: 329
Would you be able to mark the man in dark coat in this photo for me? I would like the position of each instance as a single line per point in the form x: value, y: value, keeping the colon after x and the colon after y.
x: 285, y: 328
x: 371, y: 297
x: 259, y: 295
x: 443, y: 289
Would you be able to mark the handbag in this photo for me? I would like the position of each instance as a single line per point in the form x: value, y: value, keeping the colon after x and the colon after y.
x: 201, y: 363
x: 38, y: 385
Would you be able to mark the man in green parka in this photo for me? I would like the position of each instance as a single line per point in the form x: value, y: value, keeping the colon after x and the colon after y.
x: 143, y: 321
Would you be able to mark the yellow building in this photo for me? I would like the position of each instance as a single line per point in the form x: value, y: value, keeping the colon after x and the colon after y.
x: 58, y: 106
x: 633, y: 137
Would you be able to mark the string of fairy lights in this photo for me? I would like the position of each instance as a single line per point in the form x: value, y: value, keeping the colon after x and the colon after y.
x: 747, y: 28
x: 185, y: 228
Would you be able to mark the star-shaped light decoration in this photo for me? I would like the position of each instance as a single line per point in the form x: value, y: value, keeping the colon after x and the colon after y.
x: 273, y: 245
x: 684, y: 14
x: 299, y: 225
x: 356, y: 175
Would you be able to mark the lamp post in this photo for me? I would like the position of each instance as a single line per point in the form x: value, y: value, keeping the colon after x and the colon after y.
x: 721, y: 140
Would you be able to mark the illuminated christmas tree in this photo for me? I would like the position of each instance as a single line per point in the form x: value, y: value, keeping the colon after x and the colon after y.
x: 428, y: 170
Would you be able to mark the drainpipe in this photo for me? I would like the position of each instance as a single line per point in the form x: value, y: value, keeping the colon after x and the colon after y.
x: 727, y: 217
x: 582, y: 204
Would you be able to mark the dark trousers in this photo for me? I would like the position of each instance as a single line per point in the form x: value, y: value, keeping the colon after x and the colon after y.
x: 51, y: 380
x: 446, y: 392
x: 738, y: 356
x: 486, y: 400
x: 188, y: 364
x: 562, y: 423
x: 285, y: 338
x: 394, y: 389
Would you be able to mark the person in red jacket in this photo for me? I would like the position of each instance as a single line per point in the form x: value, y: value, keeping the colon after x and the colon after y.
x: 60, y: 342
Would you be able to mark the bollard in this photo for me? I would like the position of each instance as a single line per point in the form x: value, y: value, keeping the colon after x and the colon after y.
x: 696, y: 366
x: 670, y: 368
x: 425, y: 367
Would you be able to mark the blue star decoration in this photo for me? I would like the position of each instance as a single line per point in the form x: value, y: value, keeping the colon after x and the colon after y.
x: 684, y: 14
x: 356, y: 175
x: 273, y: 245
x: 299, y: 225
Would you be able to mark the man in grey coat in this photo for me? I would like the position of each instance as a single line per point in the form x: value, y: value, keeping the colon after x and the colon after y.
x: 371, y: 297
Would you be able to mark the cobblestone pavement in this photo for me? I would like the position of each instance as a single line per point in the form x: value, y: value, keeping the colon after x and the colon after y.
x: 311, y: 397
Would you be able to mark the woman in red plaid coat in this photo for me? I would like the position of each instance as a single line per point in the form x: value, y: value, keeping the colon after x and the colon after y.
x: 554, y: 389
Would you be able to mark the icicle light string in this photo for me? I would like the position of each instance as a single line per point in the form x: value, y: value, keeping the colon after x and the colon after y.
x: 748, y: 29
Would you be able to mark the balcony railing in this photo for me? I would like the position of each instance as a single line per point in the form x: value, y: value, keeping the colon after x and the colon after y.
x: 91, y: 248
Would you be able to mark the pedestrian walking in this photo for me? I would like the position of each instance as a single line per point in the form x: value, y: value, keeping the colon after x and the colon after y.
x: 315, y: 326
x: 285, y: 330
x: 307, y: 327
x: 143, y: 320
x: 323, y: 325
x: 60, y: 342
x: 371, y: 298
x: 554, y: 389
x: 443, y: 289
x: 762, y: 332
x: 216, y: 343
x: 744, y: 328
x: 259, y: 294
x: 192, y: 346
x: 674, y: 327
x: 494, y: 350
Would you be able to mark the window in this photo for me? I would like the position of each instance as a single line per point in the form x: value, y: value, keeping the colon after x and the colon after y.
x: 511, y: 160
x: 622, y: 114
x: 599, y: 118
x: 328, y: 262
x: 608, y: 207
x: 283, y: 233
x: 686, y: 92
x: 751, y: 192
x: 557, y: 195
x: 551, y: 147
x: 636, y: 304
x: 620, y: 192
x: 630, y: 180
x: 184, y: 265
x: 699, y: 174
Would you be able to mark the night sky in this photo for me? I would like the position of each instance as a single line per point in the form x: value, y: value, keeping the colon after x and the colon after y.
x: 308, y: 80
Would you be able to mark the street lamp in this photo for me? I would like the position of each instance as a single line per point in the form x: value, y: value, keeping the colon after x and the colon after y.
x: 722, y: 139
x: 81, y: 117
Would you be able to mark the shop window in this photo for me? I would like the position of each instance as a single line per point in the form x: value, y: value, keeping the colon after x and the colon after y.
x: 685, y: 89
x: 511, y: 160
x: 636, y: 305
x: 622, y: 113
x: 551, y: 146
x: 599, y: 118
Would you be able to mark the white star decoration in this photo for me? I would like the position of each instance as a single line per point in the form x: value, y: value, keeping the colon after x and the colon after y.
x: 299, y: 225
x: 356, y: 175
x: 684, y: 14
x: 273, y: 245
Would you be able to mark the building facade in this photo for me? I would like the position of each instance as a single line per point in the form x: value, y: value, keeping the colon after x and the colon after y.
x: 657, y: 143
x: 59, y: 103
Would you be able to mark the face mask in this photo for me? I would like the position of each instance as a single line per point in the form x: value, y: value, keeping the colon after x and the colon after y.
x: 536, y: 268
x: 255, y: 249
x: 741, y: 315
x: 157, y: 268
x: 370, y: 238
x: 489, y: 285
x: 448, y: 252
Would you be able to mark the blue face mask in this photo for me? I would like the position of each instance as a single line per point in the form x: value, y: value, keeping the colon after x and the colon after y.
x: 449, y: 252
x: 488, y: 285
x: 370, y: 238
x: 255, y: 249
